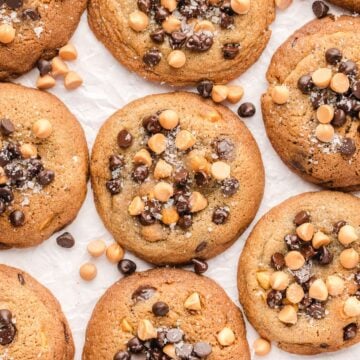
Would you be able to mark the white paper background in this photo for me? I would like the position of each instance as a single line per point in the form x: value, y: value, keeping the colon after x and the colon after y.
x: 107, y: 87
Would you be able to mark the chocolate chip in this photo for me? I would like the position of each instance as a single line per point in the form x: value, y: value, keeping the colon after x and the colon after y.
x: 45, y: 177
x: 181, y: 177
x: 116, y: 162
x: 126, y: 266
x: 135, y: 345
x: 247, y: 110
x: 305, y: 84
x: 199, y: 42
x: 293, y: 242
x: 6, y: 127
x: 226, y: 8
x: 161, y: 14
x: 146, y: 218
x: 357, y: 278
x: 184, y: 351
x: 347, y: 147
x: 174, y: 335
x: 177, y: 39
x: 158, y: 36
x: 324, y: 256
x: 114, y: 186
x: 152, y: 57
x: 202, y: 246
x: 6, y: 194
x: 333, y: 56
x: 204, y: 88
x: 338, y: 225
x: 350, y: 331
x: 44, y: 67
x: 185, y: 222
x: 17, y: 218
x: 355, y: 89
x: 14, y: 4
x: 305, y: 302
x: 230, y: 51
x: 320, y: 9
x: 339, y: 118
x: 21, y: 279
x: 316, y: 310
x: 65, y: 240
x: 7, y: 328
x: 348, y: 67
x: 200, y: 266
x: 151, y: 124
x: 226, y: 21
x: 122, y: 355
x: 308, y: 252
x: 182, y: 203
x: 160, y: 308
x: 223, y: 148
x: 31, y: 14
x: 301, y: 217
x: 124, y: 139
x: 143, y: 293
x: 201, y: 178
x: 274, y: 299
x: 202, y: 349
x: 220, y: 215
x: 230, y: 186
x: 2, y: 206
x: 144, y: 5
x: 140, y: 173
x: 277, y: 261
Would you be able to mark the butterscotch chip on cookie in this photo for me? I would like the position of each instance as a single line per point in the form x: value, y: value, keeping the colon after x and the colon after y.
x: 199, y: 188
x: 43, y: 166
x: 183, y: 42
x: 316, y: 131
x: 148, y: 314
x: 313, y: 308
x: 32, y: 325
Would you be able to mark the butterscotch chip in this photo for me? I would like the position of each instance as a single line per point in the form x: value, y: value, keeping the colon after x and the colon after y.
x: 196, y: 162
x: 325, y: 113
x: 340, y: 83
x: 347, y: 235
x: 163, y: 191
x: 280, y: 94
x: 204, y: 25
x: 349, y: 258
x: 7, y: 34
x: 28, y: 151
x: 184, y: 140
x: 169, y: 119
x: 138, y: 21
x: 352, y: 307
x: 279, y: 280
x: 169, y: 4
x: 143, y: 157
x: 211, y: 115
x: 197, y: 202
x: 96, y: 248
x: 88, y: 271
x: 295, y: 293
x: 45, y: 82
x: 169, y: 215
x: 171, y: 24
x: 318, y: 290
x: 153, y: 233
x: 241, y: 7
x: 226, y: 337
x: 146, y: 330
x: 335, y: 285
x: 68, y: 52
x: 294, y: 260
x: 193, y: 302
x: 263, y: 278
x: 320, y: 239
x: 136, y: 206
x: 322, y: 77
x: 125, y: 326
x: 261, y: 347
x: 169, y: 350
x: 220, y: 170
x: 162, y: 169
x: 114, y: 253
x: 288, y: 315
x: 3, y: 178
x: 58, y: 67
x: 235, y: 93
x: 42, y: 128
x: 72, y: 80
x: 324, y: 132
x: 283, y: 4
x: 176, y: 59
x: 219, y: 93
x: 305, y: 231
x: 157, y: 143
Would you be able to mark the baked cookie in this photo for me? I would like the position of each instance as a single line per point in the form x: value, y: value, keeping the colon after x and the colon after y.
x: 32, y: 325
x: 43, y: 166
x: 176, y: 177
x: 181, y: 42
x: 299, y: 278
x: 166, y: 314
x: 34, y: 29
x: 311, y: 109
x: 352, y: 5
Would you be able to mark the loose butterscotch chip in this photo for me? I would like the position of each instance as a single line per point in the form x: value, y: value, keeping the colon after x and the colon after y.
x: 176, y: 59
x: 263, y: 278
x: 241, y: 7
x: 45, y: 82
x: 220, y: 170
x: 162, y: 169
x: 226, y: 337
x: 347, y: 235
x: 283, y: 4
x: 279, y: 280
x: 235, y: 93
x: 146, y: 330
x: 340, y: 83
x: 305, y: 231
x: 184, y: 140
x: 88, y: 271
x: 143, y: 157
x: 28, y: 151
x: 324, y: 132
x: 171, y: 24
x: 295, y: 293
x: 349, y: 258
x: 352, y: 307
x: 193, y: 302
x: 163, y: 191
x: 261, y: 347
x: 335, y: 285
x: 294, y: 260
x: 96, y: 248
x: 169, y: 119
x: 280, y: 94
x: 322, y: 77
x: 7, y: 34
x: 325, y: 113
x: 138, y: 21
x: 318, y: 290
x: 320, y: 239
x: 58, y: 67
x: 157, y: 143
x: 68, y: 52
x: 136, y: 206
x: 169, y: 215
x: 197, y: 202
x: 288, y: 315
x: 42, y: 128
x: 72, y: 80
x: 114, y: 253
x: 219, y: 93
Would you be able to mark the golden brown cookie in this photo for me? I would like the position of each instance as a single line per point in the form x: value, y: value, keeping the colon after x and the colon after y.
x: 32, y: 325
x: 181, y: 42
x: 176, y: 177
x: 166, y: 311
x: 311, y: 109
x: 34, y: 29
x: 43, y: 166
x: 352, y: 5
x: 298, y: 276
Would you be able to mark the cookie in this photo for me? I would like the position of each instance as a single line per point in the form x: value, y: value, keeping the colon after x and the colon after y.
x: 176, y: 177
x: 352, y: 5
x: 169, y: 314
x: 43, y: 166
x: 311, y: 108
x: 298, y: 275
x: 181, y: 42
x: 32, y: 325
x: 34, y: 29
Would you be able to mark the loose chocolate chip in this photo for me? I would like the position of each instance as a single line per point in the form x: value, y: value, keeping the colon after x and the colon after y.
x: 116, y: 162
x: 320, y: 9
x: 126, y: 266
x: 177, y: 39
x: 277, y: 261
x: 184, y: 351
x: 122, y: 355
x: 301, y: 217
x: 230, y: 51
x: 200, y: 266
x: 333, y: 56
x: 324, y: 256
x: 181, y: 177
x: 65, y: 240
x: 220, y: 215
x: 185, y: 222
x: 17, y: 218
x: 31, y: 14
x: 202, y: 349
x: 204, y: 88
x: 174, y: 335
x: 201, y: 178
x: 21, y: 279
x: 158, y: 36
x: 7, y: 328
x: 6, y: 194
x: 338, y: 225
x: 199, y: 42
x: 14, y: 4
x: 274, y: 299
x: 305, y: 84
x: 339, y: 118
x: 114, y: 186
x: 124, y: 139
x: 161, y: 14
x: 347, y: 147
x: 348, y: 67
x: 6, y: 127
x: 350, y: 331
x: 44, y: 67
x: 230, y: 186
x: 226, y: 21
x: 246, y: 110
x: 308, y: 252
x: 144, y: 5
x: 140, y: 173
x: 45, y: 177
x: 143, y: 293
x: 160, y: 308
x: 293, y: 242
x: 152, y: 57
x: 355, y: 89
x: 135, y: 345
x: 316, y: 310
x: 202, y: 246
